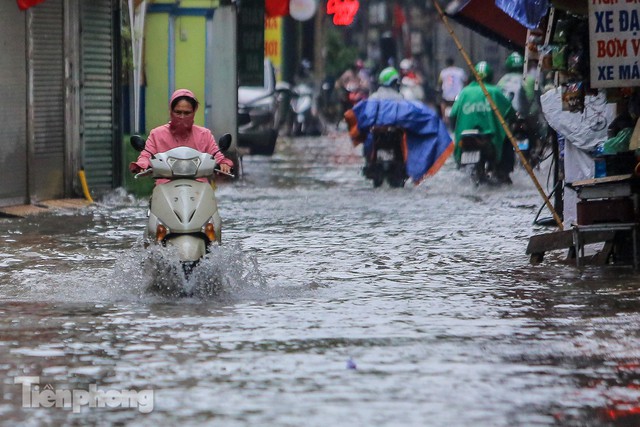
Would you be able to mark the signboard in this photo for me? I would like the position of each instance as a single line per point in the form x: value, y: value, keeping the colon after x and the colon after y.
x: 251, y: 43
x: 614, y: 43
x: 343, y: 11
x: 273, y: 43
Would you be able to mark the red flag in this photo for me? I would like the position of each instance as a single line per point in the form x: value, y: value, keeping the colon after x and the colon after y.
x: 273, y: 8
x: 26, y: 4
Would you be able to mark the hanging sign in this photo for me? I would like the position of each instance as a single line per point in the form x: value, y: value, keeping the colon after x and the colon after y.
x: 251, y: 43
x: 614, y: 43
x: 343, y: 11
x: 302, y: 10
x: 273, y: 43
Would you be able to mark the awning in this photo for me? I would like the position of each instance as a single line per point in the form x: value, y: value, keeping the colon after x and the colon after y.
x: 484, y: 17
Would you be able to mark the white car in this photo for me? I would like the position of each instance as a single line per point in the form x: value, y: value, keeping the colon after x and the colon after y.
x: 259, y: 114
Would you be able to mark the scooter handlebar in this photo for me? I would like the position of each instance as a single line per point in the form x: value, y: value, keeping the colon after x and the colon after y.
x: 143, y: 173
x: 224, y: 173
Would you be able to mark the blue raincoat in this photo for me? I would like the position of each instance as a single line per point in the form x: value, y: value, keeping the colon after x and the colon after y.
x: 428, y: 143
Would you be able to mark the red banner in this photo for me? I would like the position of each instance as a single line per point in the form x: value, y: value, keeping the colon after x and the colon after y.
x: 26, y: 4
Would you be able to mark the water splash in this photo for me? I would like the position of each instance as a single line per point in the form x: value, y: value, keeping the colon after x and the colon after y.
x: 224, y: 273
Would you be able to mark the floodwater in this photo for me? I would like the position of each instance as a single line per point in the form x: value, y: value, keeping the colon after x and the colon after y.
x: 330, y: 304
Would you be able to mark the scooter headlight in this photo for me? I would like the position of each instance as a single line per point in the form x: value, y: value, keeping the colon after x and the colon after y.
x: 181, y: 167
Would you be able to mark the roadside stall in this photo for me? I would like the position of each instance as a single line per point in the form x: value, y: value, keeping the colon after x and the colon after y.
x: 581, y: 69
x: 588, y: 76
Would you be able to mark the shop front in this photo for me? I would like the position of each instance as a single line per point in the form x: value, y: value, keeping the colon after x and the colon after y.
x: 586, y: 57
x: 58, y: 80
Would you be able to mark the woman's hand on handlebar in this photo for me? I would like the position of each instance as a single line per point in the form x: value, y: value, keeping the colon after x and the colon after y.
x: 224, y: 168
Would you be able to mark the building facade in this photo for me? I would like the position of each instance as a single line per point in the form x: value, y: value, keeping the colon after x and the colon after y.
x: 59, y: 84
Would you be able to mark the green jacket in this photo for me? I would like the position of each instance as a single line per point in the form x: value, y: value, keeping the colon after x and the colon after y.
x: 473, y: 111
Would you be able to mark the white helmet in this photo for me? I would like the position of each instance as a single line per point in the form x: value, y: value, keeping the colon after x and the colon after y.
x: 406, y: 64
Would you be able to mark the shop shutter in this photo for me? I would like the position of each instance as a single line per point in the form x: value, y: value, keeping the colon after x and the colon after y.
x: 13, y: 86
x: 97, y: 94
x: 48, y: 96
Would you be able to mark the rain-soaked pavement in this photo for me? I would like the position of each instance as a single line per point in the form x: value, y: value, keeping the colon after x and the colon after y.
x: 330, y: 303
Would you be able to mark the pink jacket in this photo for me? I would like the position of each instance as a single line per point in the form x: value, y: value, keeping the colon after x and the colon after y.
x: 161, y: 139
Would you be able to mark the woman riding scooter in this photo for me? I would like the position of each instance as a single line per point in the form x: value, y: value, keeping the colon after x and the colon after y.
x: 181, y: 157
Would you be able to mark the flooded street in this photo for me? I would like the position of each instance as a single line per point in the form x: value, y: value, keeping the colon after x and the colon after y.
x: 330, y: 303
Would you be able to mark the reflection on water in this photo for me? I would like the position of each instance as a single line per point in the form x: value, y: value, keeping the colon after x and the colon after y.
x: 426, y: 290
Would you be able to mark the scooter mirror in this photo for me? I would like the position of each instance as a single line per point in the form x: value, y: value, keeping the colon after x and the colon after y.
x: 137, y: 142
x: 225, y: 142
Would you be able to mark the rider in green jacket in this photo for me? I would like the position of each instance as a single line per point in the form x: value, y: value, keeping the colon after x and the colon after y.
x: 472, y: 110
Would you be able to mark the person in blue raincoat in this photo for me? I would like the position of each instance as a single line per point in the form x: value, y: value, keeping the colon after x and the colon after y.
x: 426, y: 143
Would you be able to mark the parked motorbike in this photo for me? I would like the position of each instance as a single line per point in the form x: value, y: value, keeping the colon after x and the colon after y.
x: 529, y: 141
x: 477, y: 155
x: 304, y: 114
x: 386, y: 159
x: 183, y: 212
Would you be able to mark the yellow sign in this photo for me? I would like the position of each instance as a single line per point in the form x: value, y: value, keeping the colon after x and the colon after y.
x: 273, y: 43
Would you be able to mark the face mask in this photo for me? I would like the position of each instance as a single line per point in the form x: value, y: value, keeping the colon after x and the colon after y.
x: 181, y: 124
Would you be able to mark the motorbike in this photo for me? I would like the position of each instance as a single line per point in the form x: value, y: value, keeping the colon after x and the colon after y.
x: 183, y: 212
x: 478, y: 155
x: 386, y: 159
x: 304, y: 115
x: 530, y: 143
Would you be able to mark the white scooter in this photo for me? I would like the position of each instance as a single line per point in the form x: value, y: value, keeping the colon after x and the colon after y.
x: 183, y: 212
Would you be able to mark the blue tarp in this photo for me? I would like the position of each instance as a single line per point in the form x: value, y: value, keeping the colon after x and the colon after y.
x: 527, y: 12
x: 428, y: 141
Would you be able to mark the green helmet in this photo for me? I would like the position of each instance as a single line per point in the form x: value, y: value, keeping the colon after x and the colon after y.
x: 484, y: 71
x: 514, y: 62
x: 388, y: 77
